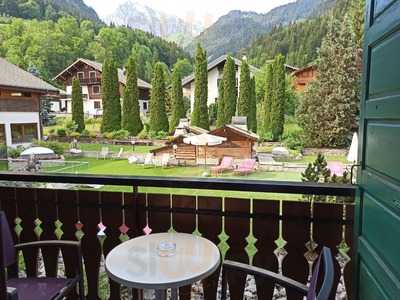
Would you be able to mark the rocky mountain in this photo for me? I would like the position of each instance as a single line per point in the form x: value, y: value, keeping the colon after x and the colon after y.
x: 136, y: 15
x: 238, y: 29
x: 47, y: 9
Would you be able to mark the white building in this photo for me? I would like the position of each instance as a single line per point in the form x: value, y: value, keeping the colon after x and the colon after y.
x: 215, y: 72
x: 20, y: 95
x: 89, y: 74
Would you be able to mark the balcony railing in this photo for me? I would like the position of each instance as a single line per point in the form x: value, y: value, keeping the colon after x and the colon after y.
x: 283, y: 230
x: 93, y: 80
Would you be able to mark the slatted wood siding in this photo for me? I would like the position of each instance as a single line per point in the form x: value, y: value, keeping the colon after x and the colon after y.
x: 285, y: 227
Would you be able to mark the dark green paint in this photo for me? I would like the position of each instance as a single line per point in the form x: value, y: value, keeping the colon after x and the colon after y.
x: 378, y: 213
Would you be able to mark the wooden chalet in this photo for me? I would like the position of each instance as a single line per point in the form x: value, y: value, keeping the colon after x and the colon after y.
x: 239, y: 145
x: 304, y: 76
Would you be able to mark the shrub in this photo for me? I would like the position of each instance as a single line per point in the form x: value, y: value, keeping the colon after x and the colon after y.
x: 52, y: 131
x: 61, y: 131
x: 55, y: 146
x: 294, y: 140
x: 118, y: 134
x: 15, y: 152
x: 143, y: 134
x: 85, y: 133
x: 70, y: 126
x: 3, y: 151
x: 93, y: 134
x: 75, y: 135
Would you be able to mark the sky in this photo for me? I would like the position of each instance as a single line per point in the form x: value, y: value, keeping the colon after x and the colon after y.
x: 202, y: 10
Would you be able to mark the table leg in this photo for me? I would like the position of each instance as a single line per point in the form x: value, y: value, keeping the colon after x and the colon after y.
x: 161, y: 294
x: 174, y: 294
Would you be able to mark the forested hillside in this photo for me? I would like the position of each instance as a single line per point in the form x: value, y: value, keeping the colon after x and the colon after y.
x: 49, y: 46
x: 238, y: 29
x: 298, y: 41
x: 47, y: 9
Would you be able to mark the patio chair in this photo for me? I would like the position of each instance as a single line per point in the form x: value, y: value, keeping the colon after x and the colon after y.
x: 165, y: 160
x: 32, y: 288
x: 119, y: 154
x: 225, y: 165
x: 104, y: 153
x: 310, y: 292
x: 246, y: 167
x: 149, y: 160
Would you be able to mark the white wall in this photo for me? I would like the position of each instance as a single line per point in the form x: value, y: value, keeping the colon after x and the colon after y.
x: 8, y: 118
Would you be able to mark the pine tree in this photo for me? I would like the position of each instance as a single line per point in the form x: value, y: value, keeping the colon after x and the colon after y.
x: 252, y: 119
x: 77, y: 105
x: 221, y: 105
x: 268, y: 97
x: 178, y: 107
x: 111, y: 98
x: 200, y: 107
x: 230, y: 90
x: 329, y: 108
x: 244, y: 101
x: 158, y: 114
x: 131, y: 111
x: 278, y: 98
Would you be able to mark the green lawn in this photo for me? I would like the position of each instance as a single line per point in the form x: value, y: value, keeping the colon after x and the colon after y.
x: 121, y: 167
x: 113, y: 148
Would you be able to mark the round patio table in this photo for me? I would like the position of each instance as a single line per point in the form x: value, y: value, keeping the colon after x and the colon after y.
x: 137, y: 263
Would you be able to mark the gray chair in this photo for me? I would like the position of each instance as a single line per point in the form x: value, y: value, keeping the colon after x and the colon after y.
x: 309, y: 292
x: 32, y: 288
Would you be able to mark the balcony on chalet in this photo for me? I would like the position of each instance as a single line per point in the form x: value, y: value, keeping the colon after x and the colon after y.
x: 282, y: 229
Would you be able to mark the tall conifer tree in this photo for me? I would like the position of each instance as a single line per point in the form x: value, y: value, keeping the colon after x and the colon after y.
x: 252, y: 119
x: 178, y: 107
x: 111, y: 97
x: 158, y: 114
x: 221, y: 105
x: 77, y: 105
x: 278, y: 98
x: 230, y: 90
x: 131, y: 111
x: 244, y: 101
x: 268, y: 97
x: 200, y: 107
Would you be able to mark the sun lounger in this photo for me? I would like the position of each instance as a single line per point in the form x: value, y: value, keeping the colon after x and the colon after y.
x: 246, y: 167
x: 226, y: 164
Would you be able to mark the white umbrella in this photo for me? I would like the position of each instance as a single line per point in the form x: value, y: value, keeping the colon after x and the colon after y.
x: 37, y: 151
x: 205, y: 140
x: 353, y: 152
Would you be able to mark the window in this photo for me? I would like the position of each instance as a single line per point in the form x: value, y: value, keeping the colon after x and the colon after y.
x: 81, y: 75
x: 96, y: 89
x: 144, y: 105
x: 22, y: 94
x: 23, y: 133
x: 92, y: 74
x: 97, y: 105
x: 2, y: 135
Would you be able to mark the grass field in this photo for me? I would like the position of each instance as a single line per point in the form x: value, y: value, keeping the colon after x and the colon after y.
x: 121, y: 167
x: 113, y: 148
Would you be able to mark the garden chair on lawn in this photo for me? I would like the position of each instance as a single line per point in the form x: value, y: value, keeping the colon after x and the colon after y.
x: 149, y: 160
x: 165, y: 160
x: 104, y: 153
x: 119, y: 154
x: 232, y: 270
x: 225, y: 165
x: 246, y: 167
x: 32, y: 288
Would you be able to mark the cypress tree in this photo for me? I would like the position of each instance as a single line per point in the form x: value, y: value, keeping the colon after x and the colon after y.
x: 158, y: 114
x: 130, y: 109
x: 252, y: 119
x: 221, y: 105
x: 111, y: 98
x: 268, y: 99
x: 244, y: 92
x: 230, y: 90
x: 200, y: 107
x: 178, y: 108
x: 278, y: 98
x: 77, y: 105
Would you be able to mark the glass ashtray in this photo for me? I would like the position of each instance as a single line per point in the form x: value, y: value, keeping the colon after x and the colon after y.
x: 165, y: 249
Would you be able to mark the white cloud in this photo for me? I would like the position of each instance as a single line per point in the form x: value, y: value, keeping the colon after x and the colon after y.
x: 200, y: 9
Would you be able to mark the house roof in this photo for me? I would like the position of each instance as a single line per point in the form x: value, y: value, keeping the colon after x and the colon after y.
x: 98, y: 66
x: 214, y: 64
x: 311, y: 66
x: 240, y: 131
x: 14, y: 77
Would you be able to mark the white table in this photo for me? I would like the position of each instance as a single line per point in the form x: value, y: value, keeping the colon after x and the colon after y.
x: 136, y: 263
